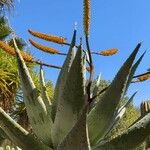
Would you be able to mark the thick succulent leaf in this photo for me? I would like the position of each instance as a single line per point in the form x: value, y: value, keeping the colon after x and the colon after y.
x: 135, y: 66
x: 18, y: 135
x: 101, y: 115
x: 63, y: 75
x: 72, y: 100
x: 44, y: 93
x: 120, y: 112
x: 97, y: 84
x: 95, y: 90
x: 130, y: 139
x: 36, y: 109
x: 77, y: 138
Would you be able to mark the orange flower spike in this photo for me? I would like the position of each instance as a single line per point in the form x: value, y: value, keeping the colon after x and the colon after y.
x: 43, y: 48
x: 27, y: 57
x: 144, y: 77
x: 86, y: 17
x: 48, y: 37
x: 10, y: 50
x: 108, y: 52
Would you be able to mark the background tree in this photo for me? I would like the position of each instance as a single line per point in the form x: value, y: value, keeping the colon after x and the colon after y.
x: 130, y: 116
x: 11, y: 98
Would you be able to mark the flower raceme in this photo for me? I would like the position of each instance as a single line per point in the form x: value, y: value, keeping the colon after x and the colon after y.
x: 108, y: 52
x: 26, y: 57
x: 143, y: 77
x: 44, y: 48
x: 48, y: 37
x: 10, y: 50
x: 86, y: 17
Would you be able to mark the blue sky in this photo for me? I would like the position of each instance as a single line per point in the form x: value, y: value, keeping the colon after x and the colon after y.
x: 114, y: 24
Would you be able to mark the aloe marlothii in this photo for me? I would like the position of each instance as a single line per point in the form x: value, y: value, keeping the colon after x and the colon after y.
x: 72, y: 122
x: 71, y: 130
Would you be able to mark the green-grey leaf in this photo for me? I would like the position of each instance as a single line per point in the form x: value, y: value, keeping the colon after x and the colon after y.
x: 131, y: 138
x: 63, y: 75
x: 119, y: 114
x: 95, y: 90
x: 72, y: 100
x: 44, y: 93
x: 36, y: 109
x: 77, y: 138
x: 97, y: 84
x: 133, y: 70
x: 101, y: 115
x: 18, y: 135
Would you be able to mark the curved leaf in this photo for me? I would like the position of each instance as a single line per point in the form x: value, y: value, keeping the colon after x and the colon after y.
x: 63, y: 75
x: 18, y: 135
x: 36, y: 109
x: 44, y: 93
x: 119, y: 114
x: 130, y: 139
x: 133, y: 70
x: 101, y: 115
x: 72, y: 100
x: 77, y: 138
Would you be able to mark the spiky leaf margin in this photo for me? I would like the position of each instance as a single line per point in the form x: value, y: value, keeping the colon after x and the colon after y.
x: 18, y: 135
x: 101, y: 116
x: 72, y: 100
x: 63, y: 76
x: 38, y: 117
x: 131, y: 138
x: 77, y: 138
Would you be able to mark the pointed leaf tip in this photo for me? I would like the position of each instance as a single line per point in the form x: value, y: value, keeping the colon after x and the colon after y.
x: 101, y: 118
x: 70, y: 103
x: 74, y: 38
x: 63, y: 75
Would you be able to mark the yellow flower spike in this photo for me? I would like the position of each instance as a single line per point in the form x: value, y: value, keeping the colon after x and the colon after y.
x: 10, y: 50
x: 44, y: 48
x: 86, y: 17
x: 108, y: 52
x: 48, y: 37
x: 143, y: 77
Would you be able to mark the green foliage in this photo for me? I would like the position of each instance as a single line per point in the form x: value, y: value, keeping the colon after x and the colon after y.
x: 5, y: 30
x: 129, y: 117
x: 11, y: 99
x: 8, y: 71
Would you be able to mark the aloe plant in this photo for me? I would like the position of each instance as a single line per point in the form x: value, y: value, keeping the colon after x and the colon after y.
x: 73, y: 121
